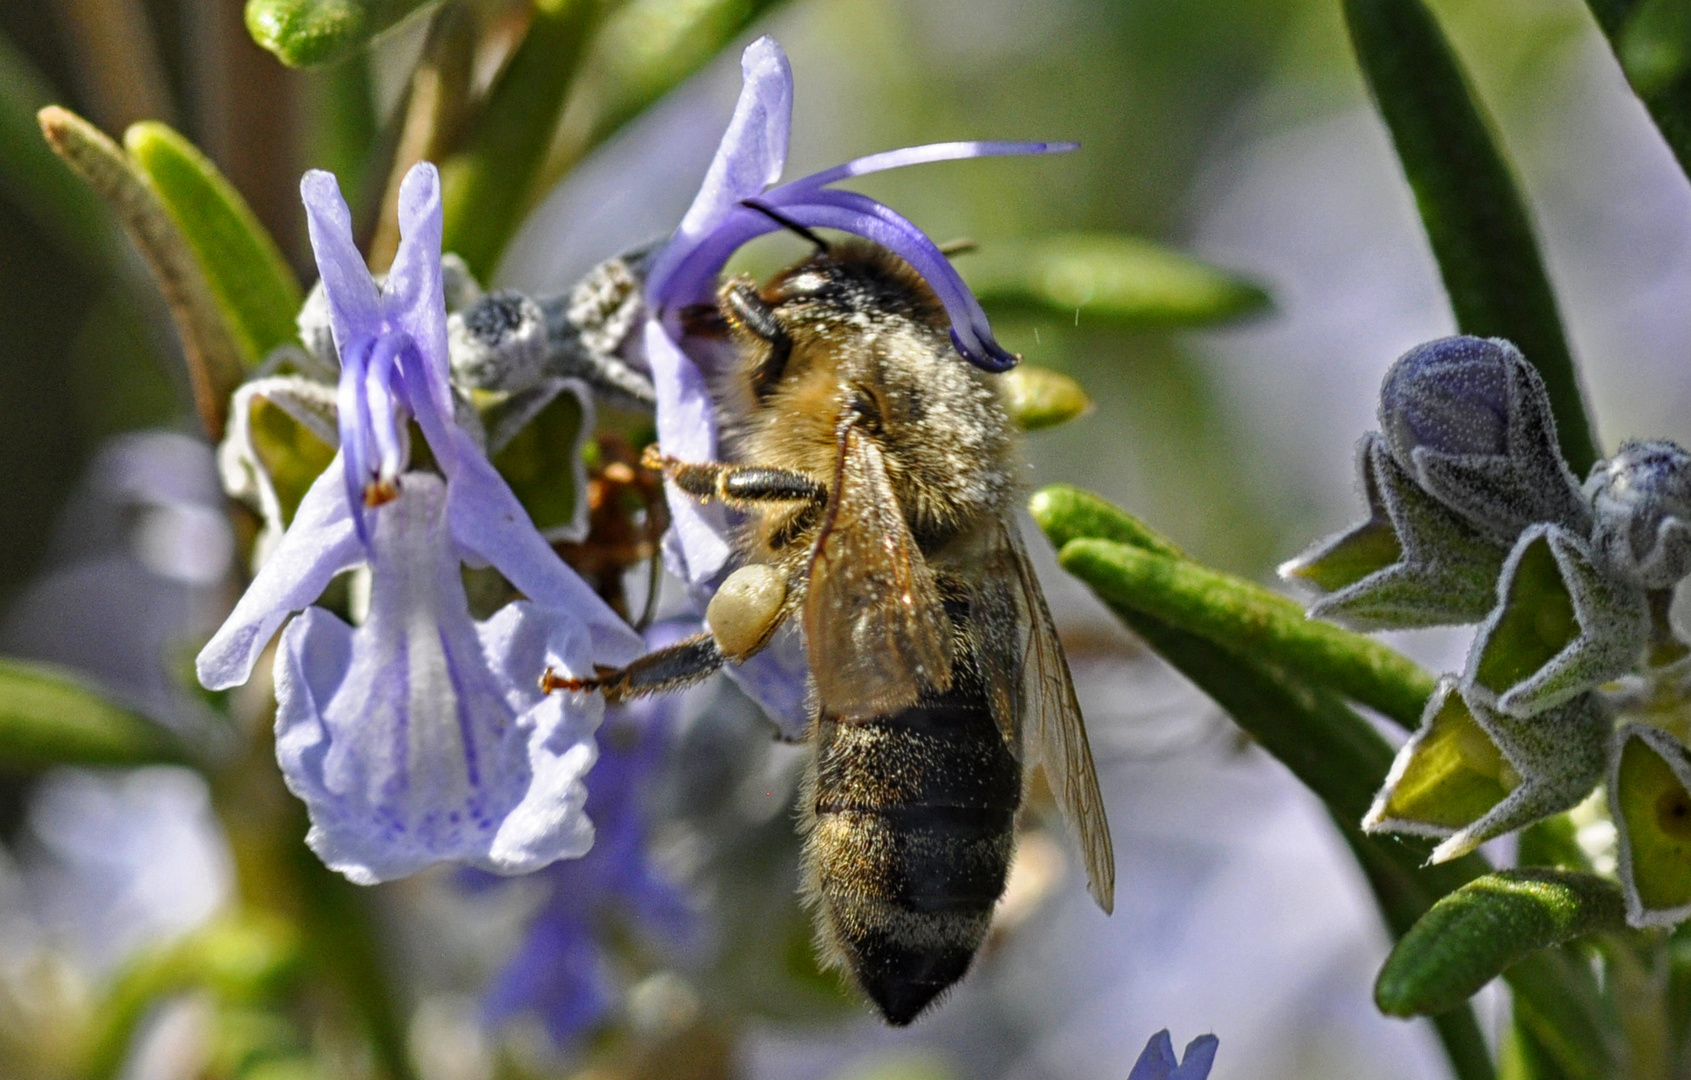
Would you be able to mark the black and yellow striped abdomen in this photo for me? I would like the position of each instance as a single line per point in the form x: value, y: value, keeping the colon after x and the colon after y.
x: 914, y: 822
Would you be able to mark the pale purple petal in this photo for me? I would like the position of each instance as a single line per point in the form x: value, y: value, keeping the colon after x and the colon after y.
x: 353, y: 304
x: 686, y: 422
x: 750, y: 157
x: 319, y: 544
x: 406, y: 744
x: 1157, y: 1060
x: 380, y: 377
x: 691, y: 277
x: 549, y: 823
x: 440, y: 428
x: 415, y: 294
x: 489, y: 526
x: 922, y: 155
x: 1198, y: 1059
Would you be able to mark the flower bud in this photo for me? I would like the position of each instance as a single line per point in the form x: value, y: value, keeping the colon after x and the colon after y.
x: 1450, y: 395
x: 1642, y: 501
x: 1470, y: 420
x: 498, y: 343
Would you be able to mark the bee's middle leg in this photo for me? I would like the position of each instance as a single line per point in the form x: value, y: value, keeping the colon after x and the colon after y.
x: 736, y: 483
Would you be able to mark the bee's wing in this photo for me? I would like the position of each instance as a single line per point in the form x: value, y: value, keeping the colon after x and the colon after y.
x: 874, y: 626
x: 1056, y: 737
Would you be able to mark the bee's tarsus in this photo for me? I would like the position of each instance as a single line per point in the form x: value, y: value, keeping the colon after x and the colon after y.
x: 550, y: 682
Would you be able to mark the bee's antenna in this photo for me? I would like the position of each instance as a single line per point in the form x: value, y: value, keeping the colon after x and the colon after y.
x: 785, y: 222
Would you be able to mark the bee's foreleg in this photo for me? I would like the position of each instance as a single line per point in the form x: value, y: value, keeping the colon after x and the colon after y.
x: 736, y: 483
x: 672, y: 668
x: 745, y: 311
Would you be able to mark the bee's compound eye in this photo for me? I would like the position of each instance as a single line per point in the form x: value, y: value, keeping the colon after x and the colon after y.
x: 746, y: 608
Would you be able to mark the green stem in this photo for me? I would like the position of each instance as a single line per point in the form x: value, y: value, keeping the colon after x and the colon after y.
x: 1474, y: 215
x: 1556, y: 1001
x: 1248, y: 620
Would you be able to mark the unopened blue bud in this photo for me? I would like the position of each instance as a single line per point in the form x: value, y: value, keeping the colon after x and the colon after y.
x: 1642, y: 501
x: 1450, y: 395
x: 1470, y: 420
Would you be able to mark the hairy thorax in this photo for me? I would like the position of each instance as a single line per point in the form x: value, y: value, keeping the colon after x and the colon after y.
x: 880, y: 358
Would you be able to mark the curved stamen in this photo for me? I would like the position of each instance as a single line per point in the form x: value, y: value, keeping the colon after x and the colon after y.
x: 355, y: 427
x: 388, y: 410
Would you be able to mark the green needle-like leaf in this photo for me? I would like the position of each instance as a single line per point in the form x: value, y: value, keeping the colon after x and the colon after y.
x: 645, y: 49
x: 1070, y: 513
x: 486, y: 185
x: 1327, y: 745
x: 308, y: 33
x: 1477, y: 932
x: 1335, y: 753
x: 214, y: 357
x: 49, y: 716
x: 1249, y: 620
x: 1474, y: 215
x: 254, y: 284
x: 1113, y: 278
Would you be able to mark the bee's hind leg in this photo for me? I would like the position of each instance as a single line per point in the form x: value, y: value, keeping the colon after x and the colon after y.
x: 743, y: 615
x: 679, y: 665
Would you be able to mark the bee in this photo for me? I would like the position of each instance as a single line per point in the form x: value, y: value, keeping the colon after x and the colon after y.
x: 876, y: 472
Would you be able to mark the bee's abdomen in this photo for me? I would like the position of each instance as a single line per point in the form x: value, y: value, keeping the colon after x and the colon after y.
x: 914, y: 825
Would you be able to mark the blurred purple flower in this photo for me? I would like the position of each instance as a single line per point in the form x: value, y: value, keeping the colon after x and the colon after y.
x: 1157, y: 1062
x: 560, y: 971
x: 421, y: 736
x: 135, y: 578
x: 726, y: 214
